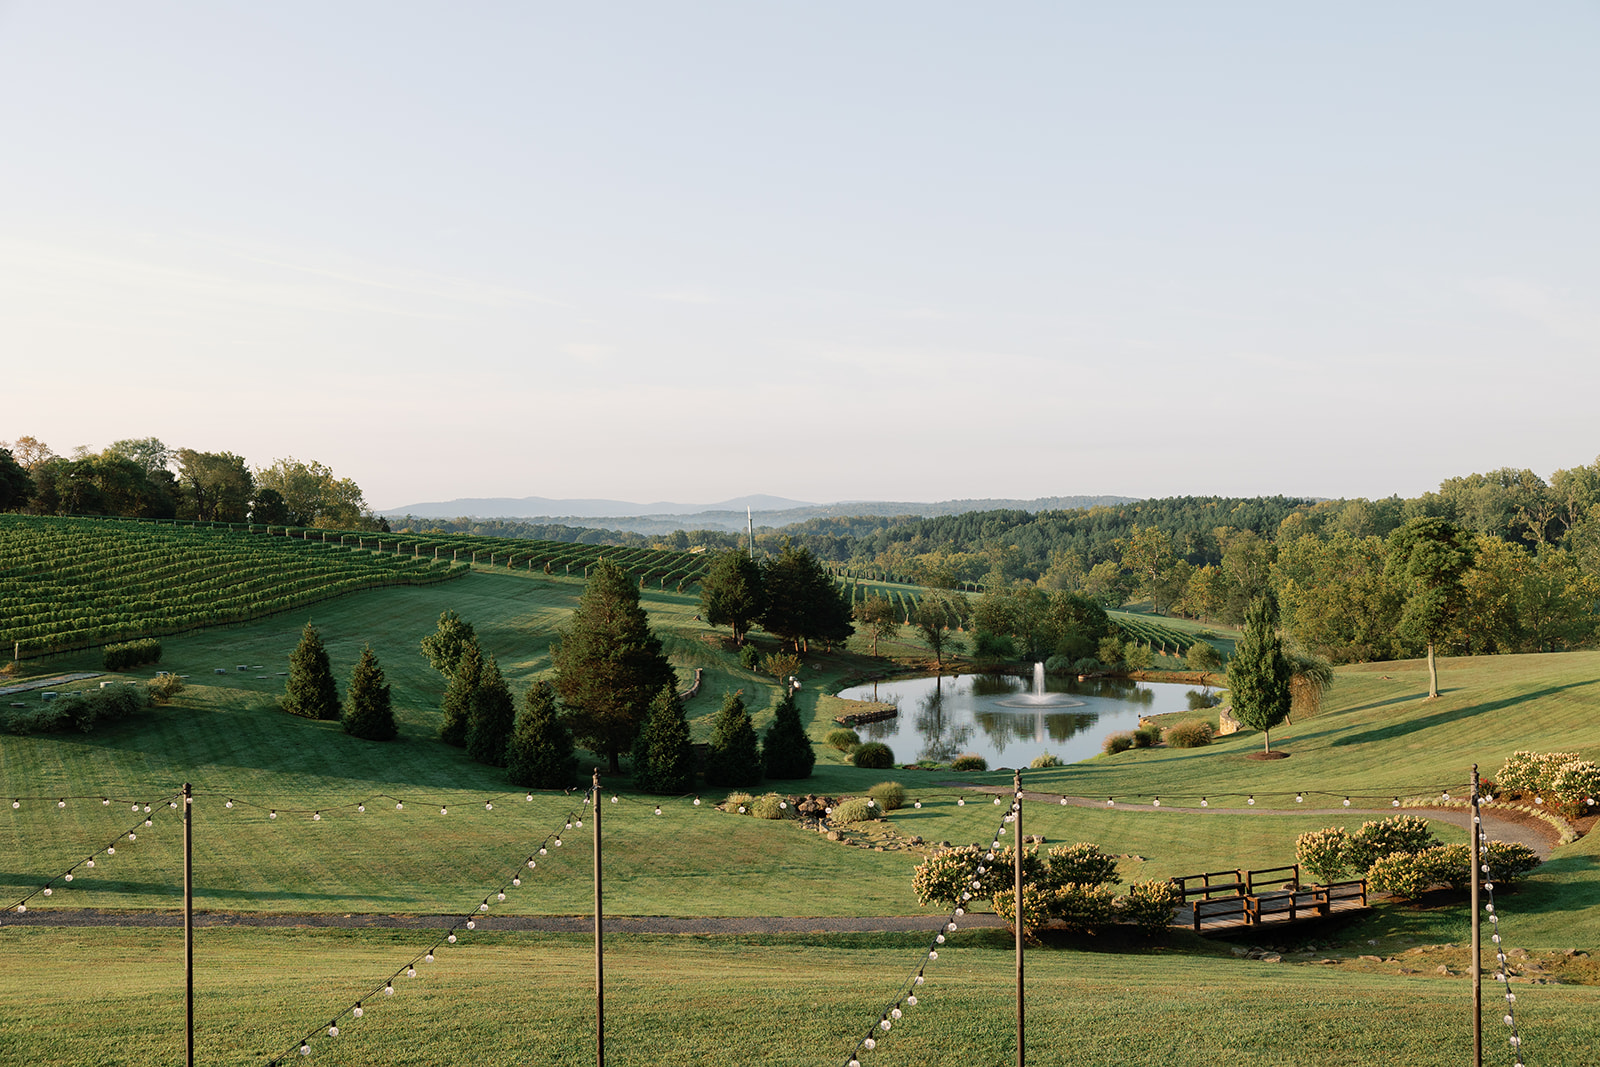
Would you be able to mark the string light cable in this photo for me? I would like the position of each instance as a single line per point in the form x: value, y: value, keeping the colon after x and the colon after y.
x: 1502, y: 968
x: 144, y: 814
x: 468, y: 921
x: 908, y: 997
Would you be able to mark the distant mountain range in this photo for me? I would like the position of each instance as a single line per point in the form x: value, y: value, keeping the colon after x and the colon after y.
x: 767, y: 511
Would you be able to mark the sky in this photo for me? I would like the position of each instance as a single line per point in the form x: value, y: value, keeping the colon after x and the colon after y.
x: 824, y: 250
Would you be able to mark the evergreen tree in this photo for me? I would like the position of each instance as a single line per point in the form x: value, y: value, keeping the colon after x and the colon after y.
x: 540, y: 753
x: 663, y: 756
x: 311, y: 691
x: 460, y: 695
x: 734, y: 758
x: 1259, y: 672
x: 609, y: 666
x: 368, y: 712
x: 447, y: 644
x: 730, y: 593
x: 491, y: 719
x: 787, y: 752
x: 802, y: 602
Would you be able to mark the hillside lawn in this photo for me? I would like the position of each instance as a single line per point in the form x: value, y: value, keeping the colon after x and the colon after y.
x: 1377, y: 737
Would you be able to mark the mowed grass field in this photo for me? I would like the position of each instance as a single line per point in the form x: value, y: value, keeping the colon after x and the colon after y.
x: 114, y: 995
x: 74, y: 997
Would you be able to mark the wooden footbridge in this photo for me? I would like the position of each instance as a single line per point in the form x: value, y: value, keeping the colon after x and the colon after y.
x: 1217, y: 900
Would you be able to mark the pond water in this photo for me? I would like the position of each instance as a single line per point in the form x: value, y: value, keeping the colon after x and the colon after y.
x: 1007, y: 720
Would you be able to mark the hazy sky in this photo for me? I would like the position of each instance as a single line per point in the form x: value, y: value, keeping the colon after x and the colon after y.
x: 913, y: 251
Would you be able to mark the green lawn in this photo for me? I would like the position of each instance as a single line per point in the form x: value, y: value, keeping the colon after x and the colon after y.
x: 114, y: 996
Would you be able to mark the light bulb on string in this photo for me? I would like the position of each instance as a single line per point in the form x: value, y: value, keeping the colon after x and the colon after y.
x: 658, y: 809
x: 1395, y: 803
x: 170, y: 803
x: 411, y: 972
x: 1347, y: 802
x: 333, y: 1028
x: 1063, y: 802
x: 516, y: 880
x: 305, y: 1049
x: 484, y: 906
x: 15, y: 804
x: 613, y: 799
x: 132, y: 836
x: 1156, y: 803
x: 399, y: 805
x: 697, y: 802
x: 48, y: 891
x: 543, y: 852
x: 89, y: 862
x: 428, y: 958
x: 272, y: 814
x: 358, y: 1010
x: 1251, y: 801
x: 68, y: 876
x: 362, y: 808
x: 316, y: 816
x: 451, y: 939
x: 472, y: 924
x: 869, y: 1043
x: 558, y: 842
x: 919, y: 979
x: 1110, y: 802
x: 501, y: 895
x: 580, y: 824
x: 388, y: 990
x: 62, y: 803
x: 147, y: 809
x: 884, y: 1024
x: 1204, y: 803
x: 21, y: 908
x: 569, y: 824
x: 444, y: 810
x: 912, y: 1000
x: 133, y: 807
x: 1299, y: 798
x: 961, y: 802
x: 997, y: 802
x: 111, y: 850
x: 488, y: 806
x: 896, y: 1013
x: 149, y: 822
x: 229, y: 804
x: 916, y: 804
x: 932, y: 955
x: 105, y: 802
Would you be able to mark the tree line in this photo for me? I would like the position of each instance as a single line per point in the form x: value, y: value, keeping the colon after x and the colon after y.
x: 143, y: 478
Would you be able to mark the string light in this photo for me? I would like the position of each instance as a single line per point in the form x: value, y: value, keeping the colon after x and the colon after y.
x: 105, y: 802
x: 229, y: 804
x: 316, y: 816
x: 273, y: 814
x: 399, y: 805
x: 444, y: 810
x: 63, y: 803
x: 697, y: 802
x: 1299, y: 799
x: 916, y: 804
x: 658, y: 809
x: 1347, y: 802
x: 1251, y: 801
x: 1396, y: 802
x: 1156, y: 803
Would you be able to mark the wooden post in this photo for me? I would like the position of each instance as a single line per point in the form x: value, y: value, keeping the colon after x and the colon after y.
x: 1016, y: 851
x: 188, y: 924
x: 599, y: 944
x: 1474, y: 828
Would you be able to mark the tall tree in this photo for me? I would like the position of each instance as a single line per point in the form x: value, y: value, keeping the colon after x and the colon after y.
x: 786, y: 752
x: 448, y: 643
x: 216, y: 486
x: 936, y: 615
x: 1259, y: 672
x: 314, y: 497
x: 803, y: 603
x: 663, y: 754
x: 148, y: 452
x: 730, y: 593
x: 460, y: 694
x: 1428, y: 558
x: 311, y: 691
x: 491, y: 718
x: 735, y: 756
x: 879, y: 618
x: 16, y: 487
x: 540, y: 753
x: 368, y: 710
x: 609, y: 665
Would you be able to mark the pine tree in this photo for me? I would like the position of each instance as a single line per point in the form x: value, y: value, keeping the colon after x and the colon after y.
x: 459, y: 696
x: 730, y: 593
x: 787, y: 752
x: 663, y: 755
x: 491, y: 719
x: 609, y: 666
x: 311, y: 691
x: 368, y: 712
x: 1259, y: 672
x: 540, y: 753
x: 734, y: 758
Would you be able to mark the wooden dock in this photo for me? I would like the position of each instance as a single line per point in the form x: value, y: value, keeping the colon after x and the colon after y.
x: 1238, y: 899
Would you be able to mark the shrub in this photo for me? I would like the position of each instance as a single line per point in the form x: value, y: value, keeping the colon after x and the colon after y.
x: 1086, y: 665
x: 843, y: 739
x: 1149, y: 905
x: 874, y: 755
x: 1386, y: 837
x: 1508, y: 861
x: 1532, y: 773
x: 1045, y: 759
x: 1147, y: 736
x: 749, y: 656
x: 969, y: 761
x: 945, y: 875
x: 787, y: 752
x: 1449, y: 865
x: 1083, y: 908
x: 1200, y: 699
x: 738, y: 803
x: 1038, y: 906
x: 1405, y: 874
x: 1082, y: 863
x: 1203, y: 656
x: 84, y: 711
x: 164, y: 687
x: 1110, y: 651
x: 131, y: 654
x: 1137, y: 657
x: 1059, y: 664
x: 992, y: 646
x: 1323, y: 852
x: 770, y: 806
x: 1117, y: 742
x: 1576, y: 786
x: 855, y: 809
x: 1191, y: 733
x: 891, y: 796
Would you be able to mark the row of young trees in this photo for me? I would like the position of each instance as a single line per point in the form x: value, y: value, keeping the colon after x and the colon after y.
x: 143, y: 478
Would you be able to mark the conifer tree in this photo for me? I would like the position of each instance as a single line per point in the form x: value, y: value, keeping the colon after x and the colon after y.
x: 540, y: 753
x: 734, y: 758
x: 609, y: 666
x: 492, y: 716
x: 460, y: 694
x: 311, y: 691
x: 787, y: 752
x: 368, y: 712
x: 1259, y: 672
x: 663, y: 755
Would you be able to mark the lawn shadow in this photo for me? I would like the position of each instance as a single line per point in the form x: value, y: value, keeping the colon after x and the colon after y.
x: 1441, y: 718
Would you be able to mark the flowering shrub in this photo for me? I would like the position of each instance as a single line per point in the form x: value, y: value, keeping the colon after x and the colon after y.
x: 1385, y: 837
x: 1038, y: 907
x: 1045, y: 759
x: 1532, y: 773
x: 1323, y: 852
x: 1576, y: 786
x: 1149, y: 905
x: 1084, y: 908
x: 1405, y: 874
x: 1508, y: 861
x: 1083, y: 863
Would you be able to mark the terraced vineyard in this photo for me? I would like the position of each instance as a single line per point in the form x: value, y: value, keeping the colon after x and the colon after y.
x: 905, y: 598
x: 67, y: 584
x: 1152, y: 633
x: 663, y: 568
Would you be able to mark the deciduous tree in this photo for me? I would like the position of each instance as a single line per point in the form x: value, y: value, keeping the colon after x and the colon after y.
x: 609, y: 665
x: 16, y: 487
x: 879, y: 618
x: 936, y: 616
x: 1428, y: 557
x: 448, y: 643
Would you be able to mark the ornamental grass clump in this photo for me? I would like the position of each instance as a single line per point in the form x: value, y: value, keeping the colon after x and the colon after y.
x: 890, y: 796
x: 853, y: 810
x: 874, y: 755
x: 738, y: 803
x: 1191, y: 733
x: 1117, y: 742
x: 1045, y: 759
x: 1147, y: 736
x: 969, y: 761
x: 770, y: 806
x: 844, y: 739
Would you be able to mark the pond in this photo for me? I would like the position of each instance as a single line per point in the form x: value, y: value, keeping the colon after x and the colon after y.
x: 1008, y: 721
